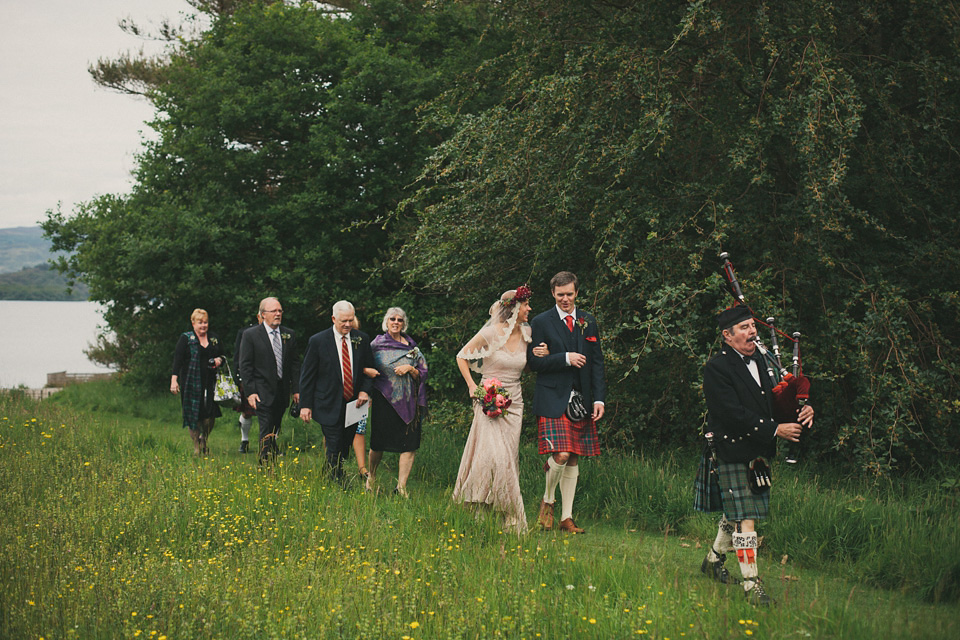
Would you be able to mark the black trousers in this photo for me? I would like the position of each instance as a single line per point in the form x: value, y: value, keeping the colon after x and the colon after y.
x: 269, y: 418
x: 339, y: 441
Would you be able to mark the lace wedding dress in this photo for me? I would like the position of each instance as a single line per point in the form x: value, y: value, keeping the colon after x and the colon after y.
x: 489, y: 471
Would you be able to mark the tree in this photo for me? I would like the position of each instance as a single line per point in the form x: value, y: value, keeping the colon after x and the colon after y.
x: 285, y: 134
x: 813, y: 142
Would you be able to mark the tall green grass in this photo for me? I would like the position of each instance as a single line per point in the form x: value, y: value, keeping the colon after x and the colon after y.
x: 112, y: 529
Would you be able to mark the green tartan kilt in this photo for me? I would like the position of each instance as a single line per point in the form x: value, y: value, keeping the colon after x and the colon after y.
x: 728, y: 490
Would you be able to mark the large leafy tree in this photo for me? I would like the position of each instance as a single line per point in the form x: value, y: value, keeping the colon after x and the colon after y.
x: 285, y: 133
x: 814, y: 141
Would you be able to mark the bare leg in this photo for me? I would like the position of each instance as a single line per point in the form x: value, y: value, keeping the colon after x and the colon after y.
x: 195, y: 436
x: 360, y: 451
x: 375, y: 458
x: 406, y: 464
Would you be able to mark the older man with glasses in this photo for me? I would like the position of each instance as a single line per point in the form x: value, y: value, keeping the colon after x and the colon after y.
x: 270, y: 370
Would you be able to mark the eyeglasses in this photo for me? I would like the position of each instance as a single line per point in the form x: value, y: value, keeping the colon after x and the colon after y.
x: 272, y: 311
x: 395, y: 319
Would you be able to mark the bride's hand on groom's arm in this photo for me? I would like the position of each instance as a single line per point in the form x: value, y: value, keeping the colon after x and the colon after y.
x: 541, y: 350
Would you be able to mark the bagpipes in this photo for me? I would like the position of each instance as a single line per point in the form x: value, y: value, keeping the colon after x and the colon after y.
x: 791, y: 390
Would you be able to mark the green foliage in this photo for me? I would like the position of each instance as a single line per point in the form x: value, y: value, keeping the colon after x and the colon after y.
x: 440, y: 153
x: 286, y: 136
x: 633, y: 143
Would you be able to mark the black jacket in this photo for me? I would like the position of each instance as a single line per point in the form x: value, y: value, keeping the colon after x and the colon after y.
x: 555, y: 378
x: 258, y: 365
x: 739, y: 412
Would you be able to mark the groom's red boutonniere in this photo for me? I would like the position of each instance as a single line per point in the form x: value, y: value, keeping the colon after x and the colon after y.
x: 582, y: 323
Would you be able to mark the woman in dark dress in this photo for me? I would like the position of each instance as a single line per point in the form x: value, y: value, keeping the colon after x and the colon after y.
x: 399, y: 398
x: 195, y: 361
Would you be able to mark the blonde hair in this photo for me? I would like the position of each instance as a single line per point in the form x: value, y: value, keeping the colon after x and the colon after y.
x: 198, y: 314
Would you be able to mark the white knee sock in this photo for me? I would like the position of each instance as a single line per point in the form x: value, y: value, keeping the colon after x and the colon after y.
x: 745, y: 545
x: 724, y: 541
x: 245, y: 424
x: 554, y: 471
x: 568, y: 488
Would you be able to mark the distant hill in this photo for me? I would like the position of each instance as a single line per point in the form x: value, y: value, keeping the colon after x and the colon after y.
x: 25, y: 273
x: 22, y: 247
x: 40, y: 282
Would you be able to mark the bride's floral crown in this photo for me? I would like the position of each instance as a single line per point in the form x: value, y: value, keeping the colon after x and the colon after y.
x: 522, y: 295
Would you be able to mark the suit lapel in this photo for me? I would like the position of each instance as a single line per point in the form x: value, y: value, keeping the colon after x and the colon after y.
x: 560, y: 327
x: 335, y: 345
x: 740, y: 369
x: 263, y: 336
x: 578, y: 332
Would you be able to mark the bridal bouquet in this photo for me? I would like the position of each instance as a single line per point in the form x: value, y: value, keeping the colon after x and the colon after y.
x: 493, y: 398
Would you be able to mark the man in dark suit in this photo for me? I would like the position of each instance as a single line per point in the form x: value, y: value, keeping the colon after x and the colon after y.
x: 575, y: 364
x: 744, y: 427
x: 270, y: 370
x: 331, y: 378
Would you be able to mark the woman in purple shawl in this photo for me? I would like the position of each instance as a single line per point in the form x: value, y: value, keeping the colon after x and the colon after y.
x: 400, y: 399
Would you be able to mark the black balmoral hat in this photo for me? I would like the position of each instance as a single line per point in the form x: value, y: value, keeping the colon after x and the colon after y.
x: 734, y: 315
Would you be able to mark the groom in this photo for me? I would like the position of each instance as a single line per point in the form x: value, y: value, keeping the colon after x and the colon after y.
x: 575, y: 364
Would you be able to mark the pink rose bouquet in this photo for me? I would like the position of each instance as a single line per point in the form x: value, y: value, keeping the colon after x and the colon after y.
x: 492, y: 397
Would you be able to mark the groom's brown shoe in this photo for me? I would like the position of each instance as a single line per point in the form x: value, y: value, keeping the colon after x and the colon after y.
x: 545, y: 519
x: 568, y: 526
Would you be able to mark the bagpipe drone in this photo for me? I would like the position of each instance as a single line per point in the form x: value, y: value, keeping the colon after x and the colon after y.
x: 791, y: 389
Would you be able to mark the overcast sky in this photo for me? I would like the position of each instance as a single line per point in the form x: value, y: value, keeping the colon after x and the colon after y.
x: 63, y: 139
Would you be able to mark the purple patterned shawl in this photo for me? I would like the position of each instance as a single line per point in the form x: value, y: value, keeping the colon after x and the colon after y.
x: 404, y: 393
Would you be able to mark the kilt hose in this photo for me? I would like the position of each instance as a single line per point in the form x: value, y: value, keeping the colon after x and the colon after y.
x: 557, y: 435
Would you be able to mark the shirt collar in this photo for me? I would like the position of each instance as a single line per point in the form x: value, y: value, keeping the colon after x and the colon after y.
x: 564, y: 314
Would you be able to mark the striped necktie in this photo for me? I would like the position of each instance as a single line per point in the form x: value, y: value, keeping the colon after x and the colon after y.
x: 347, y: 369
x: 278, y: 352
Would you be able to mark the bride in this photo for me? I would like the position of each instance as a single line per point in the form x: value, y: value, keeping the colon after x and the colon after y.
x: 489, y: 471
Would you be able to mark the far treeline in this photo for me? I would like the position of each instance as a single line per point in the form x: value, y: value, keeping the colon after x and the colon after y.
x: 39, y: 283
x: 431, y: 155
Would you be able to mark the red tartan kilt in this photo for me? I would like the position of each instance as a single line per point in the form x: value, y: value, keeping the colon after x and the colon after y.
x: 557, y: 435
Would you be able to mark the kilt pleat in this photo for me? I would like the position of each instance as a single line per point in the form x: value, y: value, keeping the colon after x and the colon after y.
x: 706, y: 491
x: 728, y: 490
x: 561, y: 435
x: 739, y: 503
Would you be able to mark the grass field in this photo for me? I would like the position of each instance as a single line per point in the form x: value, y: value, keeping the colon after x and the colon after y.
x: 111, y: 528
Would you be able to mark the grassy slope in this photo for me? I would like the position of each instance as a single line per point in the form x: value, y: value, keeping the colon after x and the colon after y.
x: 111, y: 529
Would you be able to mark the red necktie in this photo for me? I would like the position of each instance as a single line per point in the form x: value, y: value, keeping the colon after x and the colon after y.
x: 347, y: 370
x: 569, y: 320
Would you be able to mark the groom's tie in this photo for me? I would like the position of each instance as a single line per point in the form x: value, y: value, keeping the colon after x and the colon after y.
x: 569, y: 320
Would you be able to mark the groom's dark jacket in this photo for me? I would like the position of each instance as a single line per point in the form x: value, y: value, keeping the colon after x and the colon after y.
x: 739, y: 411
x: 555, y: 378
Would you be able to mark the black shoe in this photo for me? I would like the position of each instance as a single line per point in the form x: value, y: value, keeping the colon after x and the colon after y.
x: 716, y: 570
x: 757, y: 595
x: 244, y: 447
